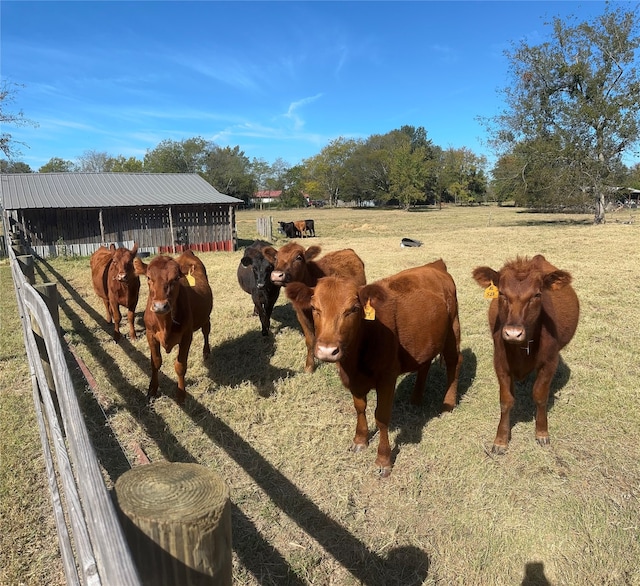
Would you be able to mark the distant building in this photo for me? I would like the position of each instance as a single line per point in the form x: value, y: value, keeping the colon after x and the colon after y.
x: 266, y: 197
x: 77, y: 212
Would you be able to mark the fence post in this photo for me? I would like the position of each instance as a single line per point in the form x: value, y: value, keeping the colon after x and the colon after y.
x: 177, y: 519
x: 26, y: 266
x: 49, y: 294
x: 263, y: 227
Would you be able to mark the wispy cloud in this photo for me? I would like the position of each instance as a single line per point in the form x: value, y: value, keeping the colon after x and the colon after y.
x: 292, y: 113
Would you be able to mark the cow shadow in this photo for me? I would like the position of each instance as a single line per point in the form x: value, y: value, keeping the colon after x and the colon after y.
x: 524, y: 409
x: 411, y: 419
x: 246, y: 358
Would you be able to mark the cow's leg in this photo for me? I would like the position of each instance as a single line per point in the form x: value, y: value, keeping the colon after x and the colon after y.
x: 156, y: 363
x: 421, y: 381
x: 541, y: 398
x: 206, y: 330
x: 384, y: 404
x: 453, y: 360
x: 306, y: 322
x: 107, y: 310
x: 180, y: 366
x: 131, y: 318
x: 361, y: 439
x: 261, y: 311
x: 115, y: 312
x: 507, y: 399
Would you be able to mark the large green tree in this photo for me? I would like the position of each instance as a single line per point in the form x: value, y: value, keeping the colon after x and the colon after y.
x: 184, y: 156
x: 230, y: 172
x: 58, y: 165
x: 579, y: 94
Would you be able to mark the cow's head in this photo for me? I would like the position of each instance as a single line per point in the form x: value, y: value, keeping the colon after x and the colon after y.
x: 163, y: 275
x: 260, y: 266
x: 523, y: 285
x: 337, y: 311
x: 121, y: 268
x: 290, y: 262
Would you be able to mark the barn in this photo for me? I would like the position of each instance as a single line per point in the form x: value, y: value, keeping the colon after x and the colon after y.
x: 74, y: 213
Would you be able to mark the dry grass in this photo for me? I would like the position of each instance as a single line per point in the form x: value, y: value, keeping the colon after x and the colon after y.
x: 306, y: 510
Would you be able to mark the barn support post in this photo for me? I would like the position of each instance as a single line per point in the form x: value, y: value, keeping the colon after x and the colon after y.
x: 177, y: 520
x: 172, y: 240
x: 101, y: 225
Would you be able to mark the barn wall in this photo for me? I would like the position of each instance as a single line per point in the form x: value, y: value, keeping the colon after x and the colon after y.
x: 204, y: 227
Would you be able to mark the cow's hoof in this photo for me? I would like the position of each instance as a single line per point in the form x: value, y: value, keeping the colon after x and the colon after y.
x: 384, y: 471
x: 358, y: 447
x: 543, y: 441
x: 498, y: 449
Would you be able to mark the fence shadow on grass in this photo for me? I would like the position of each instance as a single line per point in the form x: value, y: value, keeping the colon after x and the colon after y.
x: 405, y: 565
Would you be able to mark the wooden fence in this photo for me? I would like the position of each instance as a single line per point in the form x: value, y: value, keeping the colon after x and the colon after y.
x: 95, y: 548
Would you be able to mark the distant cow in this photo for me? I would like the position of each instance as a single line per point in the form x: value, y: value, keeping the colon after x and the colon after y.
x: 533, y: 315
x: 377, y: 332
x: 293, y: 263
x: 289, y: 229
x: 309, y: 227
x: 254, y: 277
x: 115, y: 282
x: 180, y: 302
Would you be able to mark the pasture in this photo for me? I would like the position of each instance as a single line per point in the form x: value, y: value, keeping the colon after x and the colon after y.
x: 305, y: 509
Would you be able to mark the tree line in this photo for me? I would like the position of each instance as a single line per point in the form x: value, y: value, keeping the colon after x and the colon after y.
x: 571, y: 115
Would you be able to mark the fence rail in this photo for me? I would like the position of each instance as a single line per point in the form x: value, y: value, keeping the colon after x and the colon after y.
x: 92, y: 543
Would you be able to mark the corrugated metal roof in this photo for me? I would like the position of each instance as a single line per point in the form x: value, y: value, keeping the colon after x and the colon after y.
x: 99, y: 190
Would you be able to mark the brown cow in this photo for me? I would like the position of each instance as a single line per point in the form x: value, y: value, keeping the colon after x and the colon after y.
x: 115, y: 282
x: 378, y: 331
x: 180, y: 303
x: 293, y: 263
x: 533, y: 317
x: 301, y: 227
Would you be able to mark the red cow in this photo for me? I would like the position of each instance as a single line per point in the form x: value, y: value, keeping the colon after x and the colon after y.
x: 533, y: 315
x: 378, y: 331
x: 180, y: 303
x: 293, y: 263
x: 115, y: 282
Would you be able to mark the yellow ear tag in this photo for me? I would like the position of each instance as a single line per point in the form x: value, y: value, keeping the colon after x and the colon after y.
x: 369, y: 312
x: 491, y: 292
x: 190, y: 278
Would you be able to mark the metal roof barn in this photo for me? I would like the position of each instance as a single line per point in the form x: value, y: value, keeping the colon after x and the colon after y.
x: 75, y: 213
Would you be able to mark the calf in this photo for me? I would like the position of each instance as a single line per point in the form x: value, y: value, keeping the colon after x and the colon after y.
x: 310, y: 228
x: 376, y: 332
x: 115, y: 282
x: 293, y: 263
x: 180, y: 303
x: 533, y: 315
x: 289, y: 229
x: 301, y: 227
x: 254, y: 277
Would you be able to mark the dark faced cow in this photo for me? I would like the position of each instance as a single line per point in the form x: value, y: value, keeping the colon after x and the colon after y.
x: 376, y: 332
x: 295, y: 264
x: 254, y: 277
x: 115, y: 282
x: 533, y: 315
x: 180, y: 302
x: 289, y: 229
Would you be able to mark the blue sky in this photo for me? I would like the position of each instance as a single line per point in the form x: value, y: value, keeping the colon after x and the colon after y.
x: 278, y: 79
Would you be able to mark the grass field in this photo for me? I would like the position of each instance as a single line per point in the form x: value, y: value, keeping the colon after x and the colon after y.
x: 305, y: 510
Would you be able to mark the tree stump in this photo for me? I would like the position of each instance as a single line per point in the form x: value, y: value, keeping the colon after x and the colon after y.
x: 177, y: 519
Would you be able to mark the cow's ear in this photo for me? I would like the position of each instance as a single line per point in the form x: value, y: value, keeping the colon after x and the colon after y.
x: 373, y: 294
x: 139, y: 266
x: 246, y: 261
x: 270, y: 254
x: 112, y: 247
x: 312, y: 252
x: 556, y: 280
x: 299, y: 294
x: 134, y: 250
x: 484, y: 276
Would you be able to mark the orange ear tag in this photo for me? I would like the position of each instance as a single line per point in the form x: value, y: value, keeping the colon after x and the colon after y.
x: 369, y: 312
x: 491, y: 292
x: 190, y: 278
